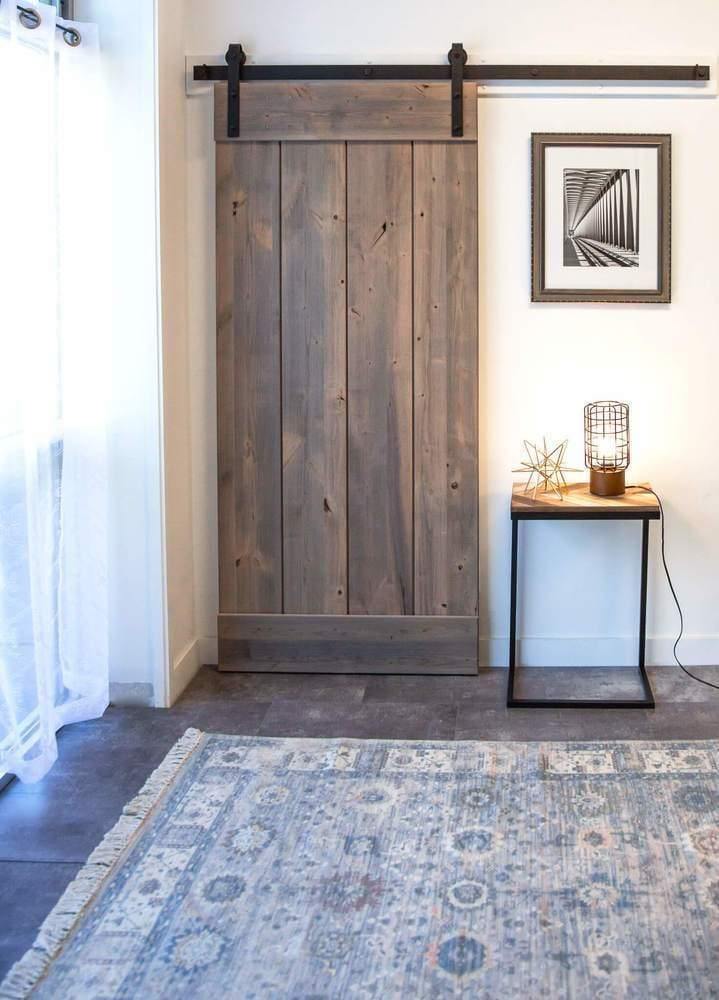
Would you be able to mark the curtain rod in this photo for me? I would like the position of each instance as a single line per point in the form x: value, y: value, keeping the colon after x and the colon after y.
x: 457, y: 72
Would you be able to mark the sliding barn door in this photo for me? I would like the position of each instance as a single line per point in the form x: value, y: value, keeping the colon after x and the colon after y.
x: 347, y: 381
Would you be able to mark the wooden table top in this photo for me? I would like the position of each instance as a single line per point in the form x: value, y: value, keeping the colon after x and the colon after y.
x: 579, y: 503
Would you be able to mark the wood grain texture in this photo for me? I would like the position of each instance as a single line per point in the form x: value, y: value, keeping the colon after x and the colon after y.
x: 224, y: 277
x: 445, y: 379
x: 379, y: 349
x: 348, y: 644
x: 577, y: 499
x: 314, y: 414
x: 345, y: 109
x: 248, y: 379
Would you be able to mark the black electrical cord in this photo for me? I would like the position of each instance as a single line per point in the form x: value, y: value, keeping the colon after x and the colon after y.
x: 694, y: 677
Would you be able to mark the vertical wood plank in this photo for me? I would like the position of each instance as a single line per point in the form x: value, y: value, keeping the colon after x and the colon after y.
x: 379, y: 349
x: 249, y: 398
x: 446, y: 379
x: 314, y: 427
x: 224, y: 277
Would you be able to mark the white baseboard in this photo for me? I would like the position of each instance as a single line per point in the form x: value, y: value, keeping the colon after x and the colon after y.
x: 598, y: 651
x: 184, y: 669
x: 131, y: 694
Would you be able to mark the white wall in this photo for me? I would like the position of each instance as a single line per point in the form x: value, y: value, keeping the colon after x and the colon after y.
x: 178, y: 370
x: 137, y: 633
x: 539, y: 363
x: 153, y: 634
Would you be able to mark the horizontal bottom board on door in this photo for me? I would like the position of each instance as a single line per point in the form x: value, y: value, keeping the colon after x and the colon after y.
x: 371, y: 644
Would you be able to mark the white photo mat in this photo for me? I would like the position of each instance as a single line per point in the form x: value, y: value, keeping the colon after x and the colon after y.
x: 559, y: 158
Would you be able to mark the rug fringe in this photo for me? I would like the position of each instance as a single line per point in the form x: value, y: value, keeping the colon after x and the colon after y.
x: 24, y: 976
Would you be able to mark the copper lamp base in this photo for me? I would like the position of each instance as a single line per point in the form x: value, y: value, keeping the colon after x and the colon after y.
x: 606, y: 484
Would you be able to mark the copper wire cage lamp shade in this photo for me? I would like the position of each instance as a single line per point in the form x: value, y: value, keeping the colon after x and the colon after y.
x: 606, y: 446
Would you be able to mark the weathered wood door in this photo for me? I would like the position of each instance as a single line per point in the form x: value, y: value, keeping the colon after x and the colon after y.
x: 347, y: 336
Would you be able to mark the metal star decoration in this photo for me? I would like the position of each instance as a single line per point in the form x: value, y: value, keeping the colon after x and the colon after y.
x: 546, y: 468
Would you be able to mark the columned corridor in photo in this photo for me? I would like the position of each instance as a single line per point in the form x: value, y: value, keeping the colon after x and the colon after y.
x: 601, y: 218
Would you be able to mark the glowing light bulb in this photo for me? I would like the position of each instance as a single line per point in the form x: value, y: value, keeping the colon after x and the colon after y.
x: 607, y: 450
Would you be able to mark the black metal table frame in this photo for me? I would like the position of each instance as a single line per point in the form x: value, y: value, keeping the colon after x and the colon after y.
x: 587, y: 514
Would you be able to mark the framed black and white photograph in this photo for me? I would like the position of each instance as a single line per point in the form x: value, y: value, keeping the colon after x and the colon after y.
x: 601, y: 219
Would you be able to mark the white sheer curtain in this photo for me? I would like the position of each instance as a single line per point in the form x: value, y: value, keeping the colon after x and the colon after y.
x: 53, y: 377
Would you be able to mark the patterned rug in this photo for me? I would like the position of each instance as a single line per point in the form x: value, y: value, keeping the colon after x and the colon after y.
x: 260, y: 868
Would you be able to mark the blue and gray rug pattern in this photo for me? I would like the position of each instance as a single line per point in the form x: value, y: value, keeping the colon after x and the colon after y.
x: 261, y: 868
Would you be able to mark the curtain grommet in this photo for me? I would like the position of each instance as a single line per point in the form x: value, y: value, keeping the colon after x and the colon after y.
x: 29, y: 18
x: 71, y: 36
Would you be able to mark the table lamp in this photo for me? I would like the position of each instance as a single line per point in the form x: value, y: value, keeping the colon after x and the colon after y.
x: 606, y: 446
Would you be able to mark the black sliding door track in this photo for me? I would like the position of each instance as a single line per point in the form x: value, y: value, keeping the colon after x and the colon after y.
x: 458, y: 71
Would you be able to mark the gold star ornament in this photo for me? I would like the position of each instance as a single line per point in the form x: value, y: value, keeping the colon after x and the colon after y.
x: 546, y: 468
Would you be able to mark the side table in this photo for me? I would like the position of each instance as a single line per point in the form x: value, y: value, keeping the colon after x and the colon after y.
x: 637, y: 504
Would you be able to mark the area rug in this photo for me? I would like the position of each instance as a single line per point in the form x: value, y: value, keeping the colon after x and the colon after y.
x: 260, y: 868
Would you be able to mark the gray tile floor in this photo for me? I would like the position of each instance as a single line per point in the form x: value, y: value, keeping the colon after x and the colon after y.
x: 48, y: 829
